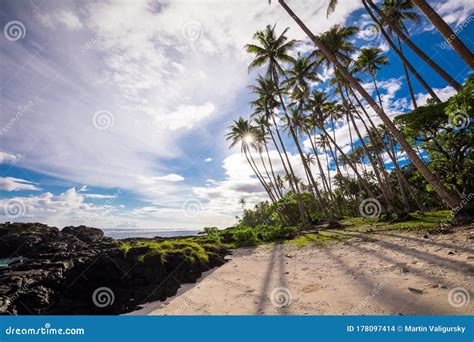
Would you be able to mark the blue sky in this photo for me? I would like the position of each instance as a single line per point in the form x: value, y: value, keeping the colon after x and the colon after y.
x: 113, y: 114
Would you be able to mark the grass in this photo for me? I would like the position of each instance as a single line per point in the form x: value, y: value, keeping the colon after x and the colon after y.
x: 197, y: 249
x: 422, y: 221
x: 323, y: 238
x: 191, y: 250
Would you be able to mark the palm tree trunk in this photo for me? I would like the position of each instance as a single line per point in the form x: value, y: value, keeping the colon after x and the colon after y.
x: 401, y: 56
x: 277, y: 189
x: 320, y: 168
x: 291, y: 179
x: 451, y: 81
x: 262, y: 181
x: 407, y: 76
x: 451, y: 200
x: 400, y: 176
x: 271, y: 184
x: 349, y: 162
x: 448, y: 34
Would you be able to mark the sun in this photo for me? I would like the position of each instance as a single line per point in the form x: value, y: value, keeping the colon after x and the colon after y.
x: 249, y: 139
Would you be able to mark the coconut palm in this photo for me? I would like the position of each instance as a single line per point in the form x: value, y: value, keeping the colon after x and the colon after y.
x: 369, y: 61
x: 393, y: 13
x: 242, y: 202
x: 273, y: 51
x: 451, y: 200
x: 448, y: 34
x: 265, y: 104
x: 242, y: 132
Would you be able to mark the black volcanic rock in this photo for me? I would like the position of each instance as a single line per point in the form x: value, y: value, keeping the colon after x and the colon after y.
x: 84, y: 233
x: 57, y: 272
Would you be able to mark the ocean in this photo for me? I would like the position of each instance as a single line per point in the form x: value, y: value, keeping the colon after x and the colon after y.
x: 118, y: 233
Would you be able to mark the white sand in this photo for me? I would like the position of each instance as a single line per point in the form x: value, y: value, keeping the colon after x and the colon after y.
x: 350, y: 278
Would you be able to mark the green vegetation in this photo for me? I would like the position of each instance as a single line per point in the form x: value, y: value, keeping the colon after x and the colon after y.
x: 421, y: 161
x: 191, y: 250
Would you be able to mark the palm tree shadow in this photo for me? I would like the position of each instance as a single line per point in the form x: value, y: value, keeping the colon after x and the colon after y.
x: 276, y: 255
x: 395, y: 301
x: 455, y: 265
x: 428, y: 242
x: 262, y: 299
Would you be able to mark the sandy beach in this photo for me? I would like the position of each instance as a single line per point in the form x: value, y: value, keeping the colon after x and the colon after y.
x: 380, y: 273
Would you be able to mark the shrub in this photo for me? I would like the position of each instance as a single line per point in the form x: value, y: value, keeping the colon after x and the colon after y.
x: 245, y: 237
x: 212, y: 234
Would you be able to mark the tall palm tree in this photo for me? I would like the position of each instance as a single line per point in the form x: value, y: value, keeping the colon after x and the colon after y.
x: 406, y: 63
x: 450, y: 199
x: 369, y: 61
x: 242, y: 132
x: 265, y: 104
x: 263, y: 126
x: 273, y: 50
x: 393, y: 14
x: 448, y: 34
x: 299, y: 76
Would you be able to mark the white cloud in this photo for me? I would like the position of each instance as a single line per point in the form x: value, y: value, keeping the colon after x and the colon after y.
x: 7, y: 158
x: 207, y: 160
x: 172, y: 177
x: 64, y: 17
x: 16, y: 184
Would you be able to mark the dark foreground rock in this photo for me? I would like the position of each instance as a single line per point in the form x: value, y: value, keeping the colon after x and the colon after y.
x: 79, y: 271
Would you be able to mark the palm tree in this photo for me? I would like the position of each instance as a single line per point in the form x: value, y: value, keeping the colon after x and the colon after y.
x: 273, y: 51
x: 369, y: 61
x: 242, y: 132
x: 299, y: 76
x: 265, y: 105
x: 451, y: 200
x: 242, y: 202
x: 393, y: 14
x: 263, y: 126
x: 448, y: 34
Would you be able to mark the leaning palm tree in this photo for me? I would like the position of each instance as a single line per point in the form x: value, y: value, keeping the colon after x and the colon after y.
x: 265, y: 105
x: 369, y: 62
x: 242, y: 132
x: 399, y: 12
x: 392, y: 14
x: 451, y: 200
x: 448, y: 34
x: 273, y: 50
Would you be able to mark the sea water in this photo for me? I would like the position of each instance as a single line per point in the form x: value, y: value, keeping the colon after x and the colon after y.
x: 117, y: 233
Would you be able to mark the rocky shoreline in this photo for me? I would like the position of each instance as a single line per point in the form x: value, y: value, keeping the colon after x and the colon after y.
x: 77, y: 270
